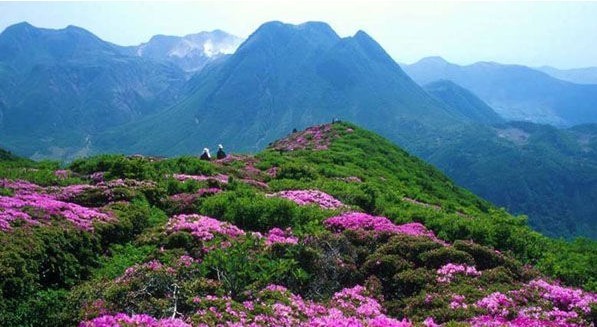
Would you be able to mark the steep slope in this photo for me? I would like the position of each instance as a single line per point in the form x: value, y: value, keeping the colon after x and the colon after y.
x: 59, y: 87
x: 586, y: 75
x: 312, y: 235
x: 516, y: 92
x: 538, y: 170
x: 461, y: 101
x: 284, y: 77
x: 190, y: 52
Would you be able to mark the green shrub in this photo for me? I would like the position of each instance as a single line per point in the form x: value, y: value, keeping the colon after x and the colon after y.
x: 436, y: 258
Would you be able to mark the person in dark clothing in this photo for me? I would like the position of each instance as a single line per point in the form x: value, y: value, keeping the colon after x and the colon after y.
x: 221, y: 154
x: 205, y: 155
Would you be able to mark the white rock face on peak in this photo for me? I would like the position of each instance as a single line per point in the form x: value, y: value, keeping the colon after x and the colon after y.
x: 191, y: 52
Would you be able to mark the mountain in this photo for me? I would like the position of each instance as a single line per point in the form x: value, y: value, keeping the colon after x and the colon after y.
x: 586, y: 75
x: 546, y: 173
x: 515, y: 92
x: 59, y: 87
x: 304, y: 233
x: 283, y: 77
x: 461, y: 101
x: 96, y: 98
x: 190, y: 52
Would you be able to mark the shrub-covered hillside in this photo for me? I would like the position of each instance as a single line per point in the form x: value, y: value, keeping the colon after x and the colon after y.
x: 332, y: 226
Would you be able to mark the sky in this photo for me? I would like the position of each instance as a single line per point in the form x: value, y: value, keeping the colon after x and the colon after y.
x: 559, y: 34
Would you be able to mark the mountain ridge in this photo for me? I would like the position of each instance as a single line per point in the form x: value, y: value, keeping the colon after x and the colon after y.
x: 516, y: 92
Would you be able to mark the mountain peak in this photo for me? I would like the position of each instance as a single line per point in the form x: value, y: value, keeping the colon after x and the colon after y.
x: 437, y: 60
x: 16, y: 30
x: 20, y: 26
x: 278, y: 27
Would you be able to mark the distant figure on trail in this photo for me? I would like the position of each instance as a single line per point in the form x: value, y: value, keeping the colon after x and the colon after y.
x: 205, y: 155
x: 221, y: 154
x: 294, y: 130
x: 335, y: 120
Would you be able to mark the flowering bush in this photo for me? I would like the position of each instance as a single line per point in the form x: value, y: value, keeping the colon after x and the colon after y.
x: 62, y: 174
x: 447, y: 272
x: 138, y: 320
x: 41, y: 206
x: 564, y: 297
x: 364, y: 222
x: 315, y: 138
x: 184, y: 177
x: 276, y: 306
x: 305, y: 197
x: 537, y: 303
x: 202, y: 227
x: 279, y: 236
x: 273, y: 306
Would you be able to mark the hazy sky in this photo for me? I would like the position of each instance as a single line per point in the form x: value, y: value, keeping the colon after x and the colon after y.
x: 561, y: 34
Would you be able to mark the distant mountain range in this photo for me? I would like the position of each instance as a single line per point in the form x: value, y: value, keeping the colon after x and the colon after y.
x: 104, y: 98
x: 577, y: 75
x: 516, y: 92
x: 59, y: 87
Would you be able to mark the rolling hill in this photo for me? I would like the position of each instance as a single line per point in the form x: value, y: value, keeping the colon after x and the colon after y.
x: 303, y: 233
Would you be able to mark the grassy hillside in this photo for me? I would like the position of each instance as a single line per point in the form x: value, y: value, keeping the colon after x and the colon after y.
x: 531, y: 169
x: 333, y: 224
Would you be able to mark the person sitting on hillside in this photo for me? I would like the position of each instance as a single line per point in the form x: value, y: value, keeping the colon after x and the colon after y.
x: 220, y: 154
x: 205, y: 155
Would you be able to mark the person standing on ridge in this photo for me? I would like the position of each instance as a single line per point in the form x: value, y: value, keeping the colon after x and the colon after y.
x: 205, y: 155
x: 220, y: 154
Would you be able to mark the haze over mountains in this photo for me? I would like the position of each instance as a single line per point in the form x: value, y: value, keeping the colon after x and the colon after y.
x: 67, y: 93
x: 516, y: 92
x: 577, y: 75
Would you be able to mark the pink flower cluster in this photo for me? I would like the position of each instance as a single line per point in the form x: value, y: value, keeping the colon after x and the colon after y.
x: 27, y: 206
x: 276, y: 306
x: 139, y: 320
x: 20, y: 186
x: 376, y: 224
x: 496, y: 304
x: 316, y: 137
x: 537, y: 303
x: 62, y: 174
x: 449, y: 271
x: 458, y: 302
x: 306, y: 197
x: 155, y: 265
x: 202, y: 227
x: 221, y: 178
x: 187, y: 199
x: 97, y: 177
x: 564, y: 297
x: 279, y: 236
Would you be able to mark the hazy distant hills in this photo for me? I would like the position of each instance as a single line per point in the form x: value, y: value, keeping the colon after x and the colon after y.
x: 67, y: 93
x: 61, y: 86
x: 578, y: 75
x: 462, y: 102
x: 516, y: 92
x: 191, y: 52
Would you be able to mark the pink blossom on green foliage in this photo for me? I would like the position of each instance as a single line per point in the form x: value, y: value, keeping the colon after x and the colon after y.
x: 364, y: 222
x: 138, y: 320
x: 306, y: 197
x: 202, y: 227
x: 449, y: 271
